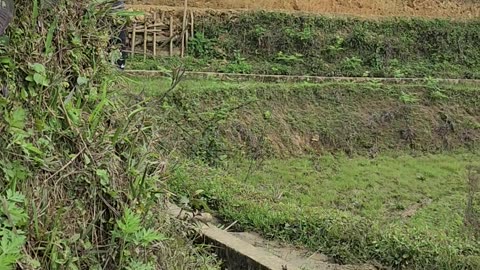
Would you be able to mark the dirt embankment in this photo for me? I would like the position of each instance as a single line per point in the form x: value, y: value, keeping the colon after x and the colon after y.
x: 459, y: 9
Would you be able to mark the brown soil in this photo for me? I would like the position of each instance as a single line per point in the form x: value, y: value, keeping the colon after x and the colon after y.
x: 459, y: 9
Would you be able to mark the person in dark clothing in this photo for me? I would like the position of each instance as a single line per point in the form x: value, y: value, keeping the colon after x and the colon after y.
x: 122, y: 36
x: 123, y: 40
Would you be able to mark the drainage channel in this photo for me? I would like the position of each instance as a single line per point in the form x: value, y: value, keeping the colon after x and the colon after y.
x: 243, y: 250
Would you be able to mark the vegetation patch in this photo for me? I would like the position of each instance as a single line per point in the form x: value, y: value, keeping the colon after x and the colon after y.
x: 292, y: 44
x: 399, y: 211
x: 79, y: 189
x: 362, y: 172
x: 216, y: 119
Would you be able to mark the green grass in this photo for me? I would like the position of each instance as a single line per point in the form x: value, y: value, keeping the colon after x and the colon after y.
x: 255, y: 66
x: 289, y: 44
x: 359, y: 192
x: 380, y: 189
x: 281, y: 119
x: 291, y: 199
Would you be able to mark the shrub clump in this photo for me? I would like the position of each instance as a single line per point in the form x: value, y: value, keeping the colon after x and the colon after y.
x: 77, y: 177
x: 290, y: 44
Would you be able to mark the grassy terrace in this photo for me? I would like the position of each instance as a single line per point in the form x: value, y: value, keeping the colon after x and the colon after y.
x: 304, y: 163
x: 290, y: 44
x: 398, y: 210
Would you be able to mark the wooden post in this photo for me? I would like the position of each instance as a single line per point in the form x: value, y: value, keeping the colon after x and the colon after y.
x: 155, y: 34
x: 184, y: 27
x: 162, y: 17
x: 145, y: 39
x: 192, y: 23
x: 171, y: 35
x: 134, y: 32
x: 186, y: 42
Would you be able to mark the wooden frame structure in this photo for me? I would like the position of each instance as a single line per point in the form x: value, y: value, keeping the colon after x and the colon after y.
x: 160, y: 33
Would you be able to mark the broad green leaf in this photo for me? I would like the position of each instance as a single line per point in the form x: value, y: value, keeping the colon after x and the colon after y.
x: 16, y: 119
x: 3, y: 102
x: 82, y: 80
x: 103, y: 175
x: 5, y: 60
x: 39, y: 68
x: 24, y: 93
x: 29, y: 148
x: 73, y: 113
x: 39, y: 78
x: 4, y: 40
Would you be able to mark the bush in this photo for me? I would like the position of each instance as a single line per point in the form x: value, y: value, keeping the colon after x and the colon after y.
x: 200, y: 46
x: 77, y: 184
x: 425, y: 47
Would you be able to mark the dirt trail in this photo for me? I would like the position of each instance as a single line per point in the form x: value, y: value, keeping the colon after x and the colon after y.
x: 459, y: 9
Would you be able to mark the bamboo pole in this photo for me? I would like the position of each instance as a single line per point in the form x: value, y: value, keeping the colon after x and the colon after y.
x: 186, y: 42
x: 138, y: 28
x: 184, y: 26
x: 133, y: 38
x: 155, y: 34
x: 171, y: 35
x: 192, y: 23
x: 149, y: 31
x: 145, y: 39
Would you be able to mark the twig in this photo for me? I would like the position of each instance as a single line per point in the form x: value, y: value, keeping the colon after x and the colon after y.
x: 115, y: 211
x: 133, y: 38
x: 177, y: 76
x: 171, y: 36
x: 145, y: 42
x: 184, y: 26
x: 66, y: 165
x: 231, y: 225
x: 155, y: 34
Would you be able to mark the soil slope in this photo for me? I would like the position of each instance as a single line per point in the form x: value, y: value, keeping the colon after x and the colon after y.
x: 459, y: 9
